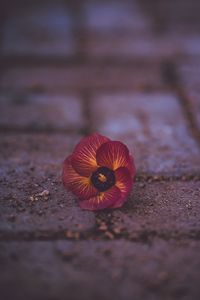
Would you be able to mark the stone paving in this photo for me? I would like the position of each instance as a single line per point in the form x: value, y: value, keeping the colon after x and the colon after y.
x: 129, y: 70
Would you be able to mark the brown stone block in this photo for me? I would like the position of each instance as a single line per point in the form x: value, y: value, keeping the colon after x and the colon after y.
x: 101, y: 270
x: 153, y: 126
x: 38, y: 111
x: 33, y: 199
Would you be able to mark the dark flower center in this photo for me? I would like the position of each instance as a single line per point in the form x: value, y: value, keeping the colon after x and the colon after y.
x: 103, y: 178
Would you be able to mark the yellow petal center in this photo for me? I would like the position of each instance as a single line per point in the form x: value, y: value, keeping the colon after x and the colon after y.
x: 102, y: 177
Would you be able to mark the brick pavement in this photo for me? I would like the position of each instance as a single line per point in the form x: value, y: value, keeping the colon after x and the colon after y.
x: 129, y: 70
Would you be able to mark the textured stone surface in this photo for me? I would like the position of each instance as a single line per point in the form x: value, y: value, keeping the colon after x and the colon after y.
x: 101, y: 270
x: 153, y: 126
x: 160, y: 209
x: 41, y: 111
x: 31, y: 164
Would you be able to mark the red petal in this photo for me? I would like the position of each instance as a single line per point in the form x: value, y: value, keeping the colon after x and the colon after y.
x: 79, y: 185
x: 84, y: 155
x: 113, y: 155
x: 102, y: 200
x: 124, y: 182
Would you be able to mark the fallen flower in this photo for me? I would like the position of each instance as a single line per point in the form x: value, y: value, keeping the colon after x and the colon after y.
x: 100, y: 172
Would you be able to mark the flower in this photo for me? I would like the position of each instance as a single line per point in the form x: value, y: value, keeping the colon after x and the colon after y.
x: 100, y: 172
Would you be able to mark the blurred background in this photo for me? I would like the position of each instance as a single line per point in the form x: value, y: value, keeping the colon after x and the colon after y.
x: 80, y: 46
x: 112, y: 66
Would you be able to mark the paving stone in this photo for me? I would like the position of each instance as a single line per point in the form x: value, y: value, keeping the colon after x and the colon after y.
x: 101, y: 270
x: 146, y: 46
x: 38, y: 29
x: 189, y: 75
x: 180, y: 16
x: 41, y: 111
x: 78, y: 77
x: 188, y: 72
x: 165, y: 209
x: 153, y: 127
x: 177, y: 21
x: 33, y: 199
x: 115, y: 16
x: 189, y: 44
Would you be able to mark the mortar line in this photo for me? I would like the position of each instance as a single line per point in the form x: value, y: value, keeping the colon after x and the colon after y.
x: 86, y: 108
x: 74, y: 60
x: 78, y: 28
x: 173, y: 81
x: 153, y: 10
x: 145, y: 236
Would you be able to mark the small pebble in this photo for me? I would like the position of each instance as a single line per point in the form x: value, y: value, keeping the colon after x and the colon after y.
x: 11, y: 218
x: 109, y: 235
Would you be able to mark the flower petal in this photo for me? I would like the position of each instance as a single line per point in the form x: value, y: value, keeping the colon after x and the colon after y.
x: 124, y: 182
x: 79, y: 185
x: 84, y: 155
x: 113, y: 155
x: 102, y: 200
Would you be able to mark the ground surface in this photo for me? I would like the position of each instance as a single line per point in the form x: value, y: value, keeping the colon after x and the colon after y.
x: 130, y: 70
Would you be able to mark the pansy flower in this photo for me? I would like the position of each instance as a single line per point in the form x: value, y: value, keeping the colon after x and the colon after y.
x: 100, y: 172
